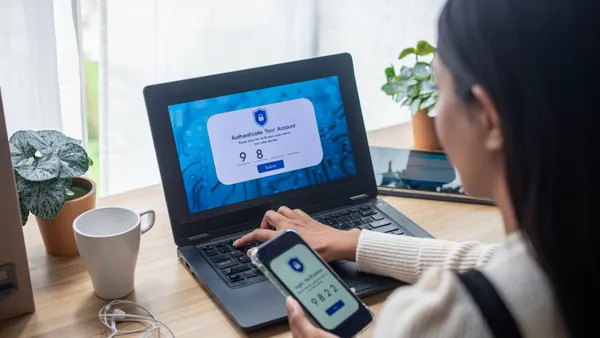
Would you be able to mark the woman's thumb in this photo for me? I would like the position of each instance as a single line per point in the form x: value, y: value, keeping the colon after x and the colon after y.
x: 293, y: 307
x: 299, y: 325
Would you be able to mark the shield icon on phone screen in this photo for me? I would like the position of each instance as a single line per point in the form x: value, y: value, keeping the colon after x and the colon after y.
x: 296, y: 264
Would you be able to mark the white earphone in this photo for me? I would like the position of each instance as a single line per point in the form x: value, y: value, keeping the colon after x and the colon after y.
x: 111, y: 318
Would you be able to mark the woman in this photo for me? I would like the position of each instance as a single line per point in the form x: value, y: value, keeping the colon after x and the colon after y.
x: 518, y: 83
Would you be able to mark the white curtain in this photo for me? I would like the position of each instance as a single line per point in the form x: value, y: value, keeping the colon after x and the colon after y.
x: 374, y: 32
x: 40, y: 76
x: 147, y: 42
x: 150, y: 41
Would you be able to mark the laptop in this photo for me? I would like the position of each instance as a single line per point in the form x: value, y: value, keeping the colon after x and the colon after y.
x: 421, y: 174
x: 232, y: 146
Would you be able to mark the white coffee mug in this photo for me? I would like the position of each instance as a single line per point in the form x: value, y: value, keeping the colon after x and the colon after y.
x: 109, y: 242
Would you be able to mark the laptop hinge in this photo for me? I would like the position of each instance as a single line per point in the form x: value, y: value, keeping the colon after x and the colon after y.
x: 359, y: 198
x: 197, y: 237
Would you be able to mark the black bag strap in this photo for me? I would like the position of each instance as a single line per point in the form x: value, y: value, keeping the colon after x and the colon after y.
x: 493, y: 309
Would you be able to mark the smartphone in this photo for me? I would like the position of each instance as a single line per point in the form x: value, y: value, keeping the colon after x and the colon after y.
x: 298, y: 271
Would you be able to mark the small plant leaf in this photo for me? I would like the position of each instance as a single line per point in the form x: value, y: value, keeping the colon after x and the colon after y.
x: 20, y: 181
x: 20, y: 148
x: 384, y: 88
x: 422, y: 97
x: 390, y: 72
x: 424, y: 48
x: 392, y: 88
x: 428, y: 87
x: 432, y: 111
x: 400, y: 96
x: 429, y: 102
x: 406, y: 52
x: 47, y: 141
x: 38, y: 142
x: 412, y: 91
x: 90, y: 162
x: 422, y: 71
x: 44, y: 199
x: 407, y: 102
x: 78, y: 192
x: 414, y: 107
x: 67, y: 182
x: 73, y: 160
x: 68, y: 193
x: 405, y: 72
x: 24, y: 211
x: 409, y: 82
x: 41, y: 168
x: 55, y: 138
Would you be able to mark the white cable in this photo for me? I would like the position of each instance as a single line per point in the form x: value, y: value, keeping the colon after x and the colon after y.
x: 110, y: 320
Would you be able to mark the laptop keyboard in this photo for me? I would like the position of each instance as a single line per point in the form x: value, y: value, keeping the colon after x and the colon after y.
x: 364, y: 217
x: 233, y: 265
x: 236, y: 269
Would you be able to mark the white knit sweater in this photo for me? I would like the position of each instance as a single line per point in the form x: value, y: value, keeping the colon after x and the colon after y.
x: 437, y: 305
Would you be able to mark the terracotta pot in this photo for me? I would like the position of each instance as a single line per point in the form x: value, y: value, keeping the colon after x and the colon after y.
x: 57, y: 232
x: 424, y: 135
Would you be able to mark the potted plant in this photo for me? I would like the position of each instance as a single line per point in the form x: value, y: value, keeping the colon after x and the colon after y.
x: 415, y: 88
x: 48, y: 167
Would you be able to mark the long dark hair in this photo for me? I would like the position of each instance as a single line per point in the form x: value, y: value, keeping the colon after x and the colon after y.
x: 540, y: 62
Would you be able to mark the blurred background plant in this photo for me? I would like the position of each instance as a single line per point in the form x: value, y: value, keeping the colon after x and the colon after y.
x: 413, y: 86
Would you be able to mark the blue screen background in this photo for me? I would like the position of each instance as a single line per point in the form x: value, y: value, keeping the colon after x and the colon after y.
x: 203, y: 189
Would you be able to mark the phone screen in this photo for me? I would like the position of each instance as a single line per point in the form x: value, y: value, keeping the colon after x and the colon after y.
x: 311, y: 283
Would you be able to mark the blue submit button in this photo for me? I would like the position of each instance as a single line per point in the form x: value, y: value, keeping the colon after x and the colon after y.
x: 263, y: 168
x: 335, y: 307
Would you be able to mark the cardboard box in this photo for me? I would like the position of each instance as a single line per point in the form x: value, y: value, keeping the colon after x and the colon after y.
x: 16, y: 295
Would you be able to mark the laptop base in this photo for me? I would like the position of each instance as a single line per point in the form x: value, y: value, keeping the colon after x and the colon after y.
x: 260, y: 304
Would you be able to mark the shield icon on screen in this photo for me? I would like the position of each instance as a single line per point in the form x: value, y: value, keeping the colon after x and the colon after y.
x: 296, y: 265
x: 260, y: 117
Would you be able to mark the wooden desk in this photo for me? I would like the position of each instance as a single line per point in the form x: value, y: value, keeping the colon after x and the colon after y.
x: 67, y: 307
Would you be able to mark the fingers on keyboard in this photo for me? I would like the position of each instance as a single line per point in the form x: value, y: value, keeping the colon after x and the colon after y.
x: 233, y: 263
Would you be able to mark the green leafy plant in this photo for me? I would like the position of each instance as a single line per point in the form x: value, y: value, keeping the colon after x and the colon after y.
x: 413, y: 86
x: 45, y: 163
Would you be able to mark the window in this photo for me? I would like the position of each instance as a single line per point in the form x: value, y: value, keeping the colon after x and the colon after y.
x: 122, y: 46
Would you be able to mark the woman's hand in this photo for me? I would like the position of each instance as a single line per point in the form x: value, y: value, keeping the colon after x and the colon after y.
x: 330, y: 243
x: 299, y: 325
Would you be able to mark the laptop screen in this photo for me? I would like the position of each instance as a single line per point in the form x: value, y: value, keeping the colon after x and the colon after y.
x: 244, y: 146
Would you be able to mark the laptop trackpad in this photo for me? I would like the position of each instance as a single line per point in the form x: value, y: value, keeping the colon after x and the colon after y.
x: 354, y: 279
